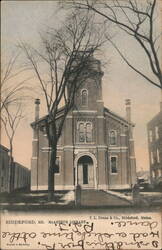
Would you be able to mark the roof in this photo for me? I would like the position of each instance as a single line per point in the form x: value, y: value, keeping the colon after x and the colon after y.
x: 21, y: 166
x: 106, y: 110
x: 59, y: 113
x: 156, y: 119
x: 4, y: 148
x: 117, y: 117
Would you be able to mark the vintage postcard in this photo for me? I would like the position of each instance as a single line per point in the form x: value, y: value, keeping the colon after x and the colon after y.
x: 81, y: 125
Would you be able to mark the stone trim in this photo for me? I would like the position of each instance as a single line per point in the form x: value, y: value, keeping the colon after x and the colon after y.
x: 85, y: 111
x: 119, y: 186
x: 57, y: 187
x: 102, y: 186
x: 36, y: 188
x: 114, y: 148
x: 100, y: 117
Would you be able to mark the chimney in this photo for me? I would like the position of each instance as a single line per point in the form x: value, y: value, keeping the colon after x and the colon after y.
x: 37, y: 102
x: 128, y: 109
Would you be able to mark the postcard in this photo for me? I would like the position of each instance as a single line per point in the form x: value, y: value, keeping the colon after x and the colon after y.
x: 81, y: 125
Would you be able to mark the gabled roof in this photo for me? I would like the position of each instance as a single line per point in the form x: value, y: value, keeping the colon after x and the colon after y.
x: 117, y: 117
x: 59, y: 113
x: 106, y: 111
x: 156, y: 119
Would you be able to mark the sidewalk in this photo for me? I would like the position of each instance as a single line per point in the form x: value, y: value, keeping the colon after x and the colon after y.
x: 121, y: 195
x: 144, y: 198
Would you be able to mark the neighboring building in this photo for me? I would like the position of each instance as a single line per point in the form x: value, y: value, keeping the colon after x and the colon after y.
x: 20, y: 175
x: 154, y: 128
x: 4, y: 169
x: 96, y: 148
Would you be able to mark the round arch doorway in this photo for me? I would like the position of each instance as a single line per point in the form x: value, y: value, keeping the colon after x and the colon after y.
x: 85, y: 172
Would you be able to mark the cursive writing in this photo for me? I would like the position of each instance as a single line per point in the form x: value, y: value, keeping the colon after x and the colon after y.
x: 88, y: 235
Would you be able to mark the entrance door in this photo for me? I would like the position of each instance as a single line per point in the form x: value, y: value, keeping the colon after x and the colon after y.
x: 85, y: 172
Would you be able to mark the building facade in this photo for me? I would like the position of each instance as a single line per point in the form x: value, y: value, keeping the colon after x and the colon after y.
x: 21, y: 178
x: 154, y: 128
x: 4, y: 169
x: 18, y: 177
x: 96, y: 147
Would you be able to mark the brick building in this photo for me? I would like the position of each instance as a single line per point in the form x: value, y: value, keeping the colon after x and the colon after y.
x: 96, y: 148
x: 154, y: 128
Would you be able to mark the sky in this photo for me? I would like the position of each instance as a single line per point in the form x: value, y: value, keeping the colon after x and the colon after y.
x: 22, y: 20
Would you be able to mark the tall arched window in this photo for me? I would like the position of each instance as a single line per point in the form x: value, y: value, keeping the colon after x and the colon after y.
x: 112, y: 136
x: 88, y: 132
x: 81, y: 132
x: 85, y: 132
x: 84, y: 97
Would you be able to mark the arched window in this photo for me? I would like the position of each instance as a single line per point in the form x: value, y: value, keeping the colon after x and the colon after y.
x: 112, y: 136
x: 88, y: 132
x: 84, y: 96
x: 81, y: 132
x: 85, y: 132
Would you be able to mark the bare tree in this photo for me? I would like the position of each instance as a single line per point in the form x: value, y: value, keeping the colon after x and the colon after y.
x: 13, y: 93
x: 137, y: 19
x: 11, y: 90
x: 60, y: 68
x: 10, y: 119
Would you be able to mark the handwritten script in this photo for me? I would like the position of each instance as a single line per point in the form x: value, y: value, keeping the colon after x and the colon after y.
x: 107, y: 234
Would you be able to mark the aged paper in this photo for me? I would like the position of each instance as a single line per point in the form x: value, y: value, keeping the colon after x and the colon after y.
x: 133, y: 226
x: 80, y: 230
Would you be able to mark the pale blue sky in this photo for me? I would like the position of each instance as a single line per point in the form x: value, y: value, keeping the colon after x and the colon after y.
x: 23, y: 19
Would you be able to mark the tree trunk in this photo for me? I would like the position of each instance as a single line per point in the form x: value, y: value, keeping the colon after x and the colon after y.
x: 11, y: 170
x: 51, y: 173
